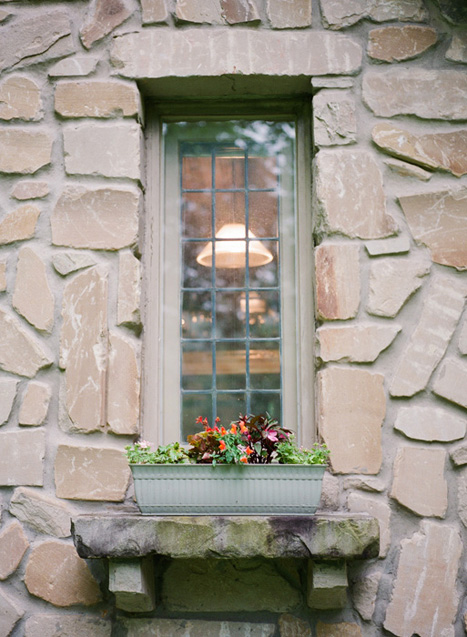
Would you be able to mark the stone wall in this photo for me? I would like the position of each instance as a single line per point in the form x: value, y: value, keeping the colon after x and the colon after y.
x: 390, y: 217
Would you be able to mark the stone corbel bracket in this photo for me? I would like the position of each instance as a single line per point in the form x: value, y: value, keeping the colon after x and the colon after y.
x: 129, y: 541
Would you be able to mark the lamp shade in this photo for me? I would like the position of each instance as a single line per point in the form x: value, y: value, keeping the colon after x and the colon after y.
x: 231, y: 249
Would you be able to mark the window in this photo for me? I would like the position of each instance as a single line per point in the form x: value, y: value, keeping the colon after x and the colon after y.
x: 228, y: 329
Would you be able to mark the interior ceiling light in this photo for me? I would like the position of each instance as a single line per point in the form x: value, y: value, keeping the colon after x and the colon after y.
x: 230, y: 250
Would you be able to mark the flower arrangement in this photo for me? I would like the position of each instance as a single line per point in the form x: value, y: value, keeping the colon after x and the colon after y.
x: 249, y: 440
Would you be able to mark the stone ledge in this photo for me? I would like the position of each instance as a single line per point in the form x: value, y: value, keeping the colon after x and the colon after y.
x: 322, y: 536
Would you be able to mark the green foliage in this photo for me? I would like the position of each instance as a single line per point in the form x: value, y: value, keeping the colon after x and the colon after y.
x: 289, y: 453
x: 140, y: 453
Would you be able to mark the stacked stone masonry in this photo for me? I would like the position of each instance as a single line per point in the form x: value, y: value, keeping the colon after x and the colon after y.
x: 388, y: 80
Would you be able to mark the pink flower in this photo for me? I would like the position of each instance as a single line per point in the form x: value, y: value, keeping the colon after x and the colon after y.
x: 143, y: 444
x: 272, y: 436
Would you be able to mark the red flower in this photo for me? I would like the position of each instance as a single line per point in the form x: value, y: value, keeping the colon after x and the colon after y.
x: 222, y: 445
x: 223, y: 431
x: 244, y: 460
x: 199, y: 420
x: 217, y: 419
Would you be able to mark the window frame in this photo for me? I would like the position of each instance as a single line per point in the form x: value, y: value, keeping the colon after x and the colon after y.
x: 299, y: 110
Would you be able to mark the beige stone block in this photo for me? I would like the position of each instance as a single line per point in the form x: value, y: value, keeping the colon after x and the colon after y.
x: 430, y: 424
x: 20, y: 98
x: 291, y: 14
x: 291, y: 626
x: 3, y: 282
x: 102, y: 18
x: 123, y: 391
x: 334, y: 119
x: 88, y: 473
x: 428, y: 342
x: 74, y: 66
x: 442, y: 151
x: 4, y: 15
x: 457, y: 51
x: 69, y: 625
x: 129, y: 289
x: 378, y: 509
x: 395, y: 44
x: 24, y: 150
x: 373, y: 485
x: 154, y: 53
x: 154, y: 11
x: 462, y: 342
x: 437, y: 220
x: 351, y: 410
x: 422, y: 602
x: 101, y: 219
x: 330, y: 493
x: 35, y: 404
x: 332, y: 82
x: 83, y: 348
x: 404, y: 169
x: 428, y: 94
x: 133, y: 584
x: 461, y: 492
x: 199, y: 11
x: 20, y: 351
x: 194, y: 627
x: 338, y: 14
x: 360, y: 186
x: 30, y: 190
x: 22, y: 458
x: 419, y: 483
x: 100, y: 149
x: 57, y: 574
x: 364, y: 593
x: 342, y: 629
x: 337, y: 272
x: 10, y: 613
x: 67, y: 262
x: 13, y: 545
x: 41, y: 512
x: 459, y: 455
x: 32, y: 296
x: 380, y: 247
x: 95, y: 98
x: 240, y: 11
x: 20, y: 224
x: 327, y: 585
x: 7, y: 396
x: 361, y: 343
x: 393, y: 281
x: 451, y: 381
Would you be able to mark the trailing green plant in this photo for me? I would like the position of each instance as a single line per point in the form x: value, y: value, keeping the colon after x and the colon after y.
x: 140, y: 453
x: 287, y: 452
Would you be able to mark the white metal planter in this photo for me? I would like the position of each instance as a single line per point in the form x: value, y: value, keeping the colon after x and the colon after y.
x: 272, y: 489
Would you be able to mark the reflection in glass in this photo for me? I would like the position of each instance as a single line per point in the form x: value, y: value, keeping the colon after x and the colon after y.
x: 230, y: 365
x: 196, y: 214
x: 197, y: 366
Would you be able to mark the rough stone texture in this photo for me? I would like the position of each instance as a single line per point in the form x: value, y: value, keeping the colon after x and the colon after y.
x: 419, y: 482
x: 158, y: 53
x: 35, y: 404
x: 74, y: 66
x: 404, y: 169
x: 194, y: 628
x: 70, y: 625
x: 102, y: 219
x: 83, y: 348
x: 374, y: 485
x: 444, y: 151
x: 35, y: 38
x: 459, y: 455
x: 3, y: 282
x: 20, y: 351
x: 67, y: 262
x: 123, y: 390
x: 337, y: 267
x: 105, y: 150
x: 455, y: 12
x: 364, y: 592
x: 13, y: 545
x: 291, y: 626
x: 334, y: 119
x: 392, y: 283
x: 327, y: 585
x: 352, y: 176
x: 451, y: 381
x: 428, y: 94
x: 338, y: 14
x: 361, y: 343
x: 30, y: 190
x: 32, y: 296
x: 129, y: 289
x: 291, y: 14
x: 254, y: 585
x: 462, y: 495
x: 322, y: 536
x: 332, y: 82
x: 4, y: 14
x: 41, y: 512
x: 154, y: 11
x: 7, y: 395
x: 93, y: 98
x: 343, y: 629
x: 437, y: 220
x: 21, y: 458
x: 24, y: 150
x: 428, y: 342
x: 103, y: 17
x: 199, y: 11
x: 88, y: 473
x: 55, y: 573
x: 462, y: 342
x: 423, y: 602
x: 240, y: 11
x: 20, y: 224
x: 430, y: 424
x: 330, y: 492
x: 133, y: 584
x: 10, y: 613
x: 457, y: 51
x: 352, y: 407
x: 395, y: 44
x: 378, y: 509
x: 20, y: 99
x: 380, y: 247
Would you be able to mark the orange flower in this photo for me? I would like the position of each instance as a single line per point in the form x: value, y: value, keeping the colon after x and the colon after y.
x: 249, y: 451
x: 199, y: 420
x: 233, y: 429
x: 222, y: 445
x: 244, y: 460
x: 217, y: 419
x: 223, y: 431
x: 243, y: 429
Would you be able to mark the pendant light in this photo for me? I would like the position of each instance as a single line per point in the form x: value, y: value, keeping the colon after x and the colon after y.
x: 231, y: 249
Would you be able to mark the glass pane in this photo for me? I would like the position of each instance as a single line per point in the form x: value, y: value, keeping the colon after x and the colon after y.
x: 229, y: 320
x: 262, y: 403
x: 229, y: 406
x: 194, y: 405
x: 264, y: 314
x: 262, y: 211
x: 196, y: 173
x: 230, y: 169
x: 230, y: 365
x: 196, y: 214
x: 195, y: 275
x: 230, y: 209
x: 231, y: 277
x: 262, y: 172
x: 196, y: 315
x: 197, y: 365
x: 266, y: 275
x: 265, y: 365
